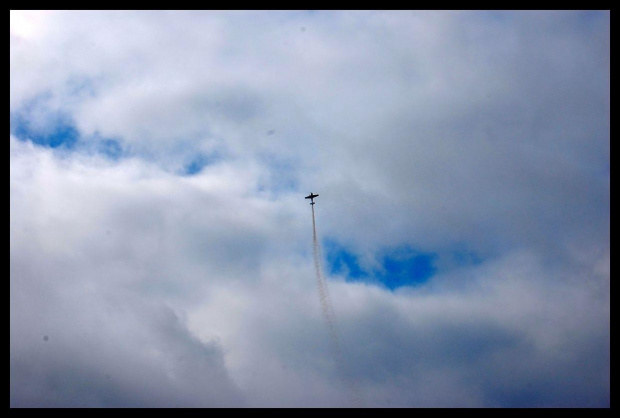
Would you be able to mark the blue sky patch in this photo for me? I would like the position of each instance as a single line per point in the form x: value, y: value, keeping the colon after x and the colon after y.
x: 398, y: 267
x: 197, y: 163
x: 404, y: 267
x: 340, y: 261
x: 62, y: 134
x: 59, y: 133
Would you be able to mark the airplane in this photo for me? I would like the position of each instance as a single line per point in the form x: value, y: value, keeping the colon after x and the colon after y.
x: 311, y: 197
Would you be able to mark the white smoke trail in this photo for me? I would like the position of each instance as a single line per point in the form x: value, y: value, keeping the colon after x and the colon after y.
x: 330, y: 319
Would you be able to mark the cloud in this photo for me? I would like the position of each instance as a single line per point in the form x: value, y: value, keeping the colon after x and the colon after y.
x: 159, y: 238
x: 81, y: 276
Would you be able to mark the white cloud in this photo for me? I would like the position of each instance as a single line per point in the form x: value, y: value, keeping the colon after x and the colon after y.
x: 442, y: 131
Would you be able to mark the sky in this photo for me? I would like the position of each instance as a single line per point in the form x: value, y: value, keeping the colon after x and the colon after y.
x: 161, y: 246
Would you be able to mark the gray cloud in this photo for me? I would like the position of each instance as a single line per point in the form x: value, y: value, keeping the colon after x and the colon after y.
x: 483, y: 133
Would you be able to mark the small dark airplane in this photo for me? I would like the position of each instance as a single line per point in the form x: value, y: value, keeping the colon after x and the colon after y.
x: 311, y: 197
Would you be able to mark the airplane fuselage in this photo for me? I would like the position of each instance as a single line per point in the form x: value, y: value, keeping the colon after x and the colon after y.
x: 311, y: 196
